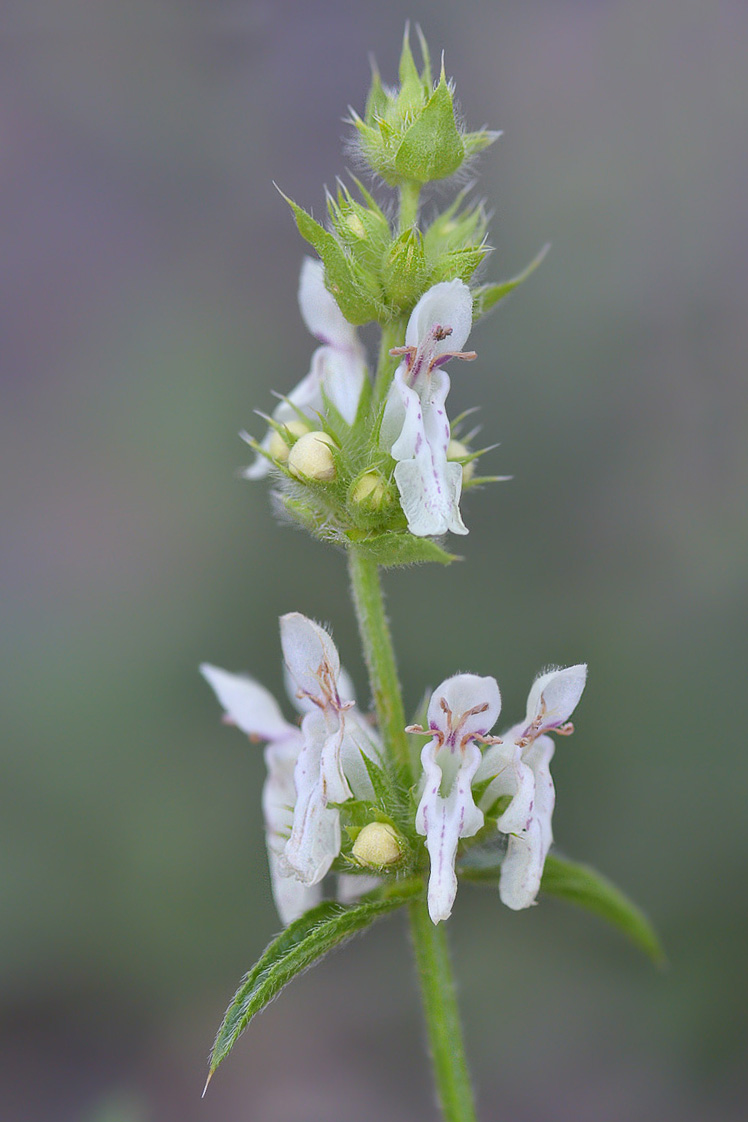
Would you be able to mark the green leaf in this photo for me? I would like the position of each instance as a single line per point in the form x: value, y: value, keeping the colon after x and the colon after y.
x: 303, y: 943
x: 392, y: 549
x: 477, y: 141
x: 348, y: 283
x: 432, y: 147
x: 579, y: 884
x: 489, y: 295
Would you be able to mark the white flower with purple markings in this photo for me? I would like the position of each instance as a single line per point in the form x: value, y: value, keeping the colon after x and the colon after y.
x: 309, y: 767
x: 519, y: 766
x: 415, y: 428
x: 461, y: 712
x: 337, y: 371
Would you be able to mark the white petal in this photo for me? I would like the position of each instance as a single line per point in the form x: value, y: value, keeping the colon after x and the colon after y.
x: 304, y: 704
x: 319, y: 309
x: 503, y: 763
x: 341, y: 374
x: 473, y: 702
x: 352, y: 887
x: 315, y: 837
x: 448, y: 304
x: 291, y: 897
x: 428, y: 483
x: 554, y: 696
x: 522, y: 869
x: 444, y: 820
x: 311, y: 657
x: 247, y: 704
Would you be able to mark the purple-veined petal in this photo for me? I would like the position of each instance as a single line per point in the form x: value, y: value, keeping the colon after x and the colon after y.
x: 314, y: 842
x: 444, y: 819
x: 311, y: 658
x: 428, y: 483
x: 447, y: 305
x: 554, y: 696
x: 247, y: 704
x: 464, y: 705
x: 292, y: 898
x: 522, y: 868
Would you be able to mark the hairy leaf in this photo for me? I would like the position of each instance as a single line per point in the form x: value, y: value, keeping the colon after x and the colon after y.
x: 577, y: 884
x: 303, y: 943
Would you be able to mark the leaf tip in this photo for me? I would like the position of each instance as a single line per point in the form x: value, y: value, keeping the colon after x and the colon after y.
x: 207, y: 1081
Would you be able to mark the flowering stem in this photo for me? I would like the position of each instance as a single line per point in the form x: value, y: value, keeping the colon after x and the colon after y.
x: 429, y: 940
x: 393, y: 334
x: 409, y: 195
x: 442, y: 1015
x: 379, y: 653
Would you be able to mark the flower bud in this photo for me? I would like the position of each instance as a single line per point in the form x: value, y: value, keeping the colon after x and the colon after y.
x: 378, y: 844
x: 456, y: 450
x: 311, y: 458
x: 369, y: 490
x: 278, y: 446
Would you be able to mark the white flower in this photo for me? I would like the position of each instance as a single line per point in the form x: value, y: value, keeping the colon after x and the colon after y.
x: 520, y: 767
x: 415, y: 429
x: 308, y: 767
x: 461, y: 711
x: 254, y: 710
x: 337, y: 368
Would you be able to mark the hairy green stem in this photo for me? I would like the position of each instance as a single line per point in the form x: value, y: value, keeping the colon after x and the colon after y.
x: 379, y: 654
x: 442, y: 1016
x: 429, y: 940
x: 409, y: 196
x: 393, y: 334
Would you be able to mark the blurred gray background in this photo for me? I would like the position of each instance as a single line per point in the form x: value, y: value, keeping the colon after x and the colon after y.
x: 148, y: 274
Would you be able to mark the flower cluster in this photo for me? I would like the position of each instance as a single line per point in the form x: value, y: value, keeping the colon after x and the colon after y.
x: 321, y: 769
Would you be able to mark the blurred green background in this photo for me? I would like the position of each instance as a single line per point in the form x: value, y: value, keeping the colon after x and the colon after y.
x: 148, y: 274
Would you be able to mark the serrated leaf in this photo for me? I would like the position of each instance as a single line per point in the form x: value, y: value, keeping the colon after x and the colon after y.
x: 303, y: 943
x: 395, y: 549
x: 581, y: 885
x: 489, y: 295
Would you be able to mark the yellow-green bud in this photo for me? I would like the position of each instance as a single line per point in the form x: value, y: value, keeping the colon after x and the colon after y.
x: 456, y: 450
x: 369, y: 490
x: 311, y: 458
x: 278, y: 446
x: 377, y: 845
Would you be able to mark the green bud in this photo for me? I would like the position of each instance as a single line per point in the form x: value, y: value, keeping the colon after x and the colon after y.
x: 362, y: 228
x: 370, y: 490
x: 456, y: 450
x: 410, y: 134
x: 355, y: 288
x: 404, y: 271
x: 432, y: 147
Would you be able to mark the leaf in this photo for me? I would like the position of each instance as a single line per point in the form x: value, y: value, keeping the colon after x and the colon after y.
x: 392, y: 549
x: 579, y: 884
x: 487, y: 297
x: 303, y: 943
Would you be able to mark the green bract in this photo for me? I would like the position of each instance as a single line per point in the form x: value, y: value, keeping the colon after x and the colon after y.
x: 411, y: 134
